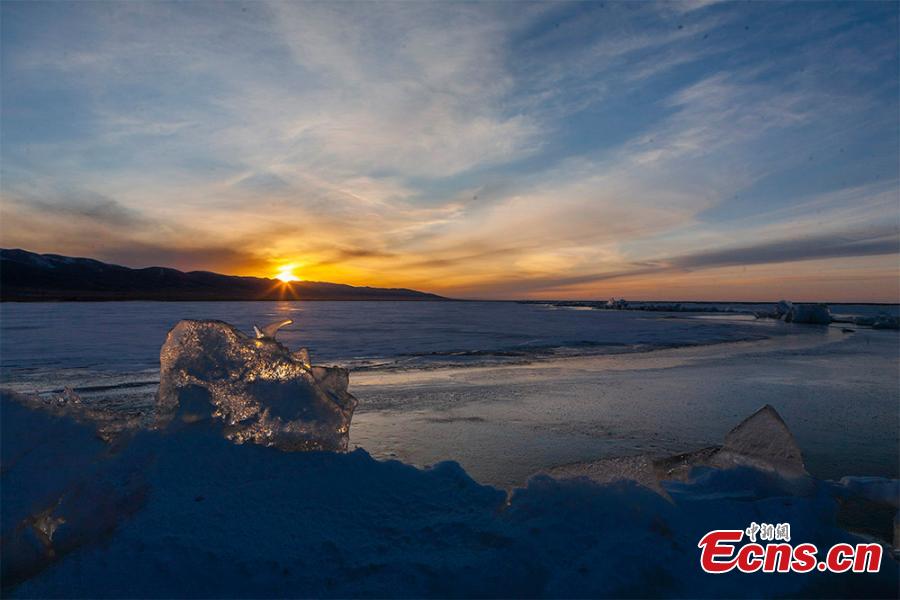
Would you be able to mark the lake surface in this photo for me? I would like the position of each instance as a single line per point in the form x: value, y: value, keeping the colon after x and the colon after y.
x: 508, y: 388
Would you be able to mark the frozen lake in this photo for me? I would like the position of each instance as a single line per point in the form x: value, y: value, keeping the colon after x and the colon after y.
x: 508, y: 389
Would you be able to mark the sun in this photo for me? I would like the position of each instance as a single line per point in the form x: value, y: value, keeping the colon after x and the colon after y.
x: 286, y: 274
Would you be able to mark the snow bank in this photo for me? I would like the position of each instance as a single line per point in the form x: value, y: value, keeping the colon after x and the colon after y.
x: 256, y: 386
x: 185, y: 513
x: 876, y: 489
x: 62, y: 486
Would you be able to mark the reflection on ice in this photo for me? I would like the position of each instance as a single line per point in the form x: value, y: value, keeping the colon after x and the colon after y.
x: 260, y: 390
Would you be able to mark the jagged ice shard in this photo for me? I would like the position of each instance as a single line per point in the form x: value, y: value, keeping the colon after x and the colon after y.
x: 764, y: 442
x: 258, y: 388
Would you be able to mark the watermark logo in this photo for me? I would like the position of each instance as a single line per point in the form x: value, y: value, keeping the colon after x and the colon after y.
x: 720, y: 553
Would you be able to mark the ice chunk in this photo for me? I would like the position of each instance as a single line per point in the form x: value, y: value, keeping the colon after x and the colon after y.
x: 303, y: 356
x: 68, y: 397
x: 617, y: 304
x: 260, y: 390
x: 815, y: 314
x: 879, y: 321
x: 884, y: 321
x: 762, y: 441
x: 782, y: 308
x: 270, y: 330
x: 789, y: 312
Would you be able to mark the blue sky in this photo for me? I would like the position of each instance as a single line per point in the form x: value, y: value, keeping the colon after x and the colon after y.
x: 689, y: 150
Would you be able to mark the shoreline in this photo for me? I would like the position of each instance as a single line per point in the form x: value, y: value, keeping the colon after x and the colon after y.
x: 601, y: 404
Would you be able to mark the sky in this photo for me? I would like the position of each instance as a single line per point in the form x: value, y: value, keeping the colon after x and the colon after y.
x: 689, y: 150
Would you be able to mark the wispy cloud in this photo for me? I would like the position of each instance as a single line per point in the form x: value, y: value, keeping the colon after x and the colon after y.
x: 479, y: 149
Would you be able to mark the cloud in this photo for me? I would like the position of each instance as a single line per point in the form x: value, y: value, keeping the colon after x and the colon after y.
x: 844, y: 244
x: 479, y: 149
x: 403, y: 88
x: 84, y: 205
x: 881, y: 241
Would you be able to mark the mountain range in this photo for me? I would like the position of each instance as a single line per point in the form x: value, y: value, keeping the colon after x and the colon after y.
x: 27, y: 276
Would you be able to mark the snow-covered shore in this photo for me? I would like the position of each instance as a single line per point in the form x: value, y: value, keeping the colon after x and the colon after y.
x: 185, y: 512
x: 231, y: 494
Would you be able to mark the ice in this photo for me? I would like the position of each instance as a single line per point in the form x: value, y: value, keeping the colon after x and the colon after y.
x: 225, y: 520
x: 270, y: 330
x: 884, y: 321
x: 879, y: 321
x: 814, y: 314
x: 782, y: 308
x: 617, y: 304
x: 791, y: 312
x: 256, y: 387
x: 182, y: 512
x: 763, y: 441
x: 641, y: 469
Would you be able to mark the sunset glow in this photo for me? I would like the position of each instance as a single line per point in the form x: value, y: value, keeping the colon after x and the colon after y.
x: 475, y: 150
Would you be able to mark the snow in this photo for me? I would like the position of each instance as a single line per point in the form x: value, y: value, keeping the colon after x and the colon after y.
x: 60, y: 489
x: 877, y: 489
x: 184, y: 512
x: 262, y: 391
x: 188, y: 510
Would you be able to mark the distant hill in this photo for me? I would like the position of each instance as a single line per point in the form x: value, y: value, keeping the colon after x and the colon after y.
x: 26, y: 276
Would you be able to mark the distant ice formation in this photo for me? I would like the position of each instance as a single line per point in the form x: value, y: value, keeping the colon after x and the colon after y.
x: 814, y: 314
x: 820, y: 314
x: 257, y: 387
x: 617, y: 304
x: 879, y: 321
x: 791, y: 312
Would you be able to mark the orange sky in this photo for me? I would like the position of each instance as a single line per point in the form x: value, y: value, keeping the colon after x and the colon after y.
x: 476, y: 150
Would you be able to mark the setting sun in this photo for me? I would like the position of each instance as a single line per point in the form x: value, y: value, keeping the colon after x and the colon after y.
x: 286, y: 274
